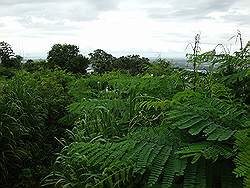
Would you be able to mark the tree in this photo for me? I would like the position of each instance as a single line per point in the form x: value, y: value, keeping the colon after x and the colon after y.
x: 133, y: 64
x: 6, y: 54
x: 29, y: 65
x: 67, y: 57
x: 17, y: 61
x: 79, y: 64
x: 101, y: 61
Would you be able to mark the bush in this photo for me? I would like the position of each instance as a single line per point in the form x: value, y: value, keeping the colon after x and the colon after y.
x: 30, y: 106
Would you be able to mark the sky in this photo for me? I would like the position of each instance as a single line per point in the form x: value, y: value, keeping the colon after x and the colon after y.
x: 151, y: 28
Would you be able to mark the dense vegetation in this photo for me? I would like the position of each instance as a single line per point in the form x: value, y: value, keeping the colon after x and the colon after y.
x: 131, y: 123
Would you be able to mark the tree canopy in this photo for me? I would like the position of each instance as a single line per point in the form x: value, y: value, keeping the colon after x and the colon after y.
x: 67, y: 57
x: 104, y: 62
x: 101, y: 61
x: 7, y: 56
x: 133, y: 64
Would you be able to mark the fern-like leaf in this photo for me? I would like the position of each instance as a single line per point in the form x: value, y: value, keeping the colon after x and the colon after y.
x: 158, y: 165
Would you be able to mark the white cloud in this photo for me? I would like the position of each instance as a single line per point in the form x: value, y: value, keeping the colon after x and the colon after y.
x: 133, y: 26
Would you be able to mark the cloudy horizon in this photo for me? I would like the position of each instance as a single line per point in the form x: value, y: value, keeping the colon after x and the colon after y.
x: 149, y: 28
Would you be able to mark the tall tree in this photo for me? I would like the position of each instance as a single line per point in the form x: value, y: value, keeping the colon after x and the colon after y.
x: 6, y: 54
x: 67, y: 57
x: 133, y: 64
x: 78, y: 64
x: 101, y: 61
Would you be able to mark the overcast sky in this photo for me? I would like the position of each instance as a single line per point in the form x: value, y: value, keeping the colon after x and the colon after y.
x: 147, y: 27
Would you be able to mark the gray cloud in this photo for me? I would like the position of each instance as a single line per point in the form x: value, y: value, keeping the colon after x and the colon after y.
x: 17, y: 2
x: 97, y: 3
x: 75, y: 10
x: 40, y: 29
x: 188, y: 10
x: 87, y: 10
x: 240, y: 19
x: 48, y: 21
x: 48, y: 17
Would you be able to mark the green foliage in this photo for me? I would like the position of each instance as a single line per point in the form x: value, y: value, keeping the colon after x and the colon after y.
x: 6, y: 72
x: 67, y: 57
x: 242, y: 159
x: 8, y: 58
x: 144, y: 158
x: 133, y: 155
x: 30, y: 106
x: 6, y: 53
x: 148, y: 125
x: 209, y: 150
x: 34, y: 66
x: 227, y: 69
x: 133, y: 64
x: 104, y: 62
x: 100, y: 117
x: 78, y: 64
x: 120, y: 160
x: 101, y: 61
x: 235, y: 76
x: 160, y: 67
x: 210, y: 117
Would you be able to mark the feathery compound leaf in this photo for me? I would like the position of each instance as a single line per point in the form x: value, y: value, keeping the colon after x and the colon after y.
x: 194, y: 121
x: 169, y: 172
x: 141, y: 164
x: 201, y: 174
x: 215, y: 134
x: 221, y: 134
x: 206, y: 149
x: 180, y: 166
x: 153, y: 154
x: 101, y: 155
x: 118, y: 152
x: 210, y: 128
x: 190, y: 176
x: 242, y: 160
x: 132, y: 154
x: 195, y: 175
x: 158, y: 165
x: 216, y: 118
x: 196, y: 129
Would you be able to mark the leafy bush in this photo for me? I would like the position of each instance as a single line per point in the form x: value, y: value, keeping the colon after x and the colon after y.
x: 165, y: 127
x: 242, y: 159
x: 190, y: 125
x: 30, y: 106
x: 173, y: 130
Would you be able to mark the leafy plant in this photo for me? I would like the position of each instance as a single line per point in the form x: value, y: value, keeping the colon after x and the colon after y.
x: 30, y: 106
x: 242, y: 159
